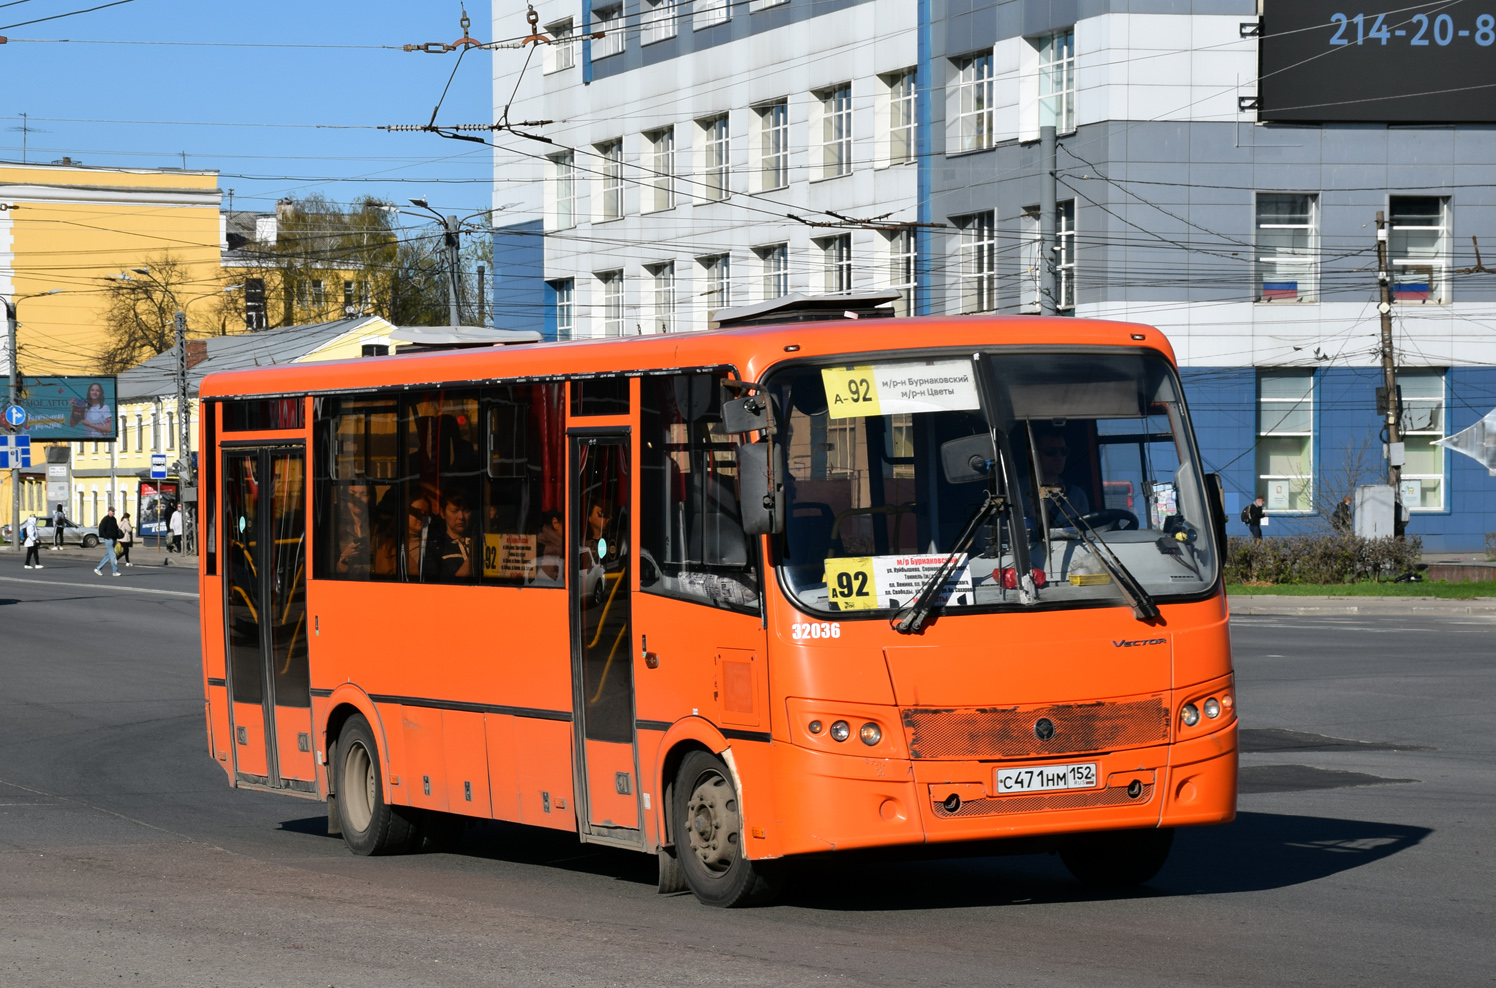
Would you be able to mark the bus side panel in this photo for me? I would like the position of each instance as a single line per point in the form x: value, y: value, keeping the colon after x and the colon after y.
x: 219, y: 738
x: 1202, y: 645
x: 467, y: 763
x: 210, y: 610
x: 498, y: 734
x: 425, y: 757
x: 543, y: 779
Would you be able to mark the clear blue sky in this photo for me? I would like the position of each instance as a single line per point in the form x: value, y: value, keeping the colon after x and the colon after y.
x: 229, y: 108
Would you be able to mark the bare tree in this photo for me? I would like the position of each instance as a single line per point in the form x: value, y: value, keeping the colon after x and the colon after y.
x: 140, y: 311
x: 1355, y: 462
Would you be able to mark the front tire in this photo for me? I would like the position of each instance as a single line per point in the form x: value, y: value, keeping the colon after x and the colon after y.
x: 90, y: 541
x: 1117, y: 858
x: 708, y: 833
x: 370, y: 824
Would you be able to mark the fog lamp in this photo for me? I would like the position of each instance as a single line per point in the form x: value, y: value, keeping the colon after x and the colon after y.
x: 1212, y: 708
x: 841, y: 730
x: 1226, y: 700
x: 1190, y: 715
x: 814, y: 727
x: 870, y: 734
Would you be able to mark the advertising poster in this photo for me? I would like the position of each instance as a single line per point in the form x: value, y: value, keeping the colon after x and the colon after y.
x: 69, y: 408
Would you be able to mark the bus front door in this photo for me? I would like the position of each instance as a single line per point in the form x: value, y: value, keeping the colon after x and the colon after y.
x: 264, y: 538
x: 602, y: 643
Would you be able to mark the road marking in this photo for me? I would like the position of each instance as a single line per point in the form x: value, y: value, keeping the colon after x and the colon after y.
x: 97, y: 586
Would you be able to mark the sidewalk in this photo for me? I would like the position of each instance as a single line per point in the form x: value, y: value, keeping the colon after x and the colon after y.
x: 1261, y: 605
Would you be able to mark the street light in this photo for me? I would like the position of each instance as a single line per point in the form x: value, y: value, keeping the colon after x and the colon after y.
x: 14, y: 396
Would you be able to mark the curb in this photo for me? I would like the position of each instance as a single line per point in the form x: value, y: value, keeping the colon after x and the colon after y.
x: 1268, y: 605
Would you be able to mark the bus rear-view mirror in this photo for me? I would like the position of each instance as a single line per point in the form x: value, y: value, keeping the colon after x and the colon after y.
x: 750, y: 414
x: 967, y: 459
x: 760, y: 488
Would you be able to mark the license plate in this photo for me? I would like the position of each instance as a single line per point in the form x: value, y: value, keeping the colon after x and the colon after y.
x: 1045, y: 778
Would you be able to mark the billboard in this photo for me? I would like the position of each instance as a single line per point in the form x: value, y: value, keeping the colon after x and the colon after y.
x: 69, y: 408
x: 1379, y: 61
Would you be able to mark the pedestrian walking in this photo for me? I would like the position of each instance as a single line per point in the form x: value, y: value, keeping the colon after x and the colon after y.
x: 32, y: 540
x: 1342, y: 520
x: 1254, y: 515
x: 108, y: 534
x: 176, y: 530
x: 126, y: 536
x: 60, y: 524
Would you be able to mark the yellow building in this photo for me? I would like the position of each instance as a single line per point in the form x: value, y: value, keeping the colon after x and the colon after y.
x: 70, y: 229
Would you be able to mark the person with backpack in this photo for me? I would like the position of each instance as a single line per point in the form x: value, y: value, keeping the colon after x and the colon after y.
x: 60, y: 524
x: 31, y: 539
x: 1251, y: 516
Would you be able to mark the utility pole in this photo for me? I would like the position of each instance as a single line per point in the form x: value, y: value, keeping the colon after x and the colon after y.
x: 1389, y: 377
x: 14, y: 396
x: 184, y: 440
x: 1048, y: 222
x: 454, y: 250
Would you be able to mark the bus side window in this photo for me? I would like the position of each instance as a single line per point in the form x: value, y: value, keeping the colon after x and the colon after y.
x: 692, y: 540
x: 355, y: 464
x: 441, y: 438
x: 524, y: 520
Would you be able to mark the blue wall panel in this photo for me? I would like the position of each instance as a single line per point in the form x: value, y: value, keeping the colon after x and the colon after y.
x: 519, y: 300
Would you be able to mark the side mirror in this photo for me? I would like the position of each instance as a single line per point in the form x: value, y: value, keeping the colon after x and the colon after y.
x: 1215, y: 493
x: 760, y: 500
x: 967, y: 459
x: 750, y: 414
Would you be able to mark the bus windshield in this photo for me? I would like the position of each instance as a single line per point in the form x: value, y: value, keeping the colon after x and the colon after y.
x: 1084, y: 460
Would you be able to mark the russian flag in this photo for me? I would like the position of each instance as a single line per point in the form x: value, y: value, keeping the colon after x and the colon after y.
x: 1410, y: 291
x: 1272, y: 290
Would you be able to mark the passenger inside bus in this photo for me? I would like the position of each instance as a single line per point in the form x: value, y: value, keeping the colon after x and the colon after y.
x: 550, y: 545
x: 354, y: 528
x: 449, y: 554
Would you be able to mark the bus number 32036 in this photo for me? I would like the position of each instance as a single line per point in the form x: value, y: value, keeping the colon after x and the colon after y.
x: 824, y: 629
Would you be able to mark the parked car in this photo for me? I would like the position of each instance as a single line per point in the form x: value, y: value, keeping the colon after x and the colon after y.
x: 84, y: 535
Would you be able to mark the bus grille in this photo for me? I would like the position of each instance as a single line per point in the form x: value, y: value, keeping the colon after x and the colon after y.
x: 1009, y: 732
x: 1049, y: 801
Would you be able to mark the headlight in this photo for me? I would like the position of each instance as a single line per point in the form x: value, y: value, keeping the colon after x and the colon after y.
x: 1212, y: 708
x: 870, y: 734
x: 814, y: 727
x: 1190, y: 715
x: 841, y: 730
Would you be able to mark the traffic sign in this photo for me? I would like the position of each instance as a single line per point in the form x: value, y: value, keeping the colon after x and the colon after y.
x: 15, y: 416
x: 15, y: 451
x: 158, y: 466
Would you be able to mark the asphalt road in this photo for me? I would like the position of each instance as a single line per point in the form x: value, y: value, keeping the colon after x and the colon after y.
x: 126, y: 859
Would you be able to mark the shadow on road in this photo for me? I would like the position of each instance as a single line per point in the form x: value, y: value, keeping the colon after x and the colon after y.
x: 1259, y: 851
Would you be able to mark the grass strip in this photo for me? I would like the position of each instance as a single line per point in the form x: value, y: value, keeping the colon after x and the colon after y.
x: 1445, y: 591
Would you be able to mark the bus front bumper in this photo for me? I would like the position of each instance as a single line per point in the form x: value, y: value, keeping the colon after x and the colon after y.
x: 841, y: 802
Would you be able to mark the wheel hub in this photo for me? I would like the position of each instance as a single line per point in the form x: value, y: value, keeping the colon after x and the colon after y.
x: 714, y: 823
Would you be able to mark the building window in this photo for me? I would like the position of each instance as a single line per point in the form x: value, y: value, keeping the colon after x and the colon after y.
x: 1418, y: 248
x: 974, y: 110
x: 705, y: 13
x: 1285, y: 439
x: 715, y: 158
x: 611, y: 180
x: 660, y: 184
x: 774, y: 264
x: 139, y: 436
x: 758, y: 5
x: 609, y: 21
x: 348, y: 305
x: 836, y: 263
x: 662, y: 282
x: 319, y: 294
x: 774, y: 144
x: 900, y: 117
x: 836, y: 131
x: 124, y: 434
x: 565, y: 166
x: 902, y: 248
x: 1064, y: 274
x: 1287, y: 248
x: 171, y: 430
x: 155, y: 433
x: 1057, y: 81
x: 1422, y: 391
x: 718, y: 271
x: 657, y: 20
x: 561, y: 53
x: 254, y: 304
x: 562, y: 301
x: 611, y: 283
x: 978, y: 262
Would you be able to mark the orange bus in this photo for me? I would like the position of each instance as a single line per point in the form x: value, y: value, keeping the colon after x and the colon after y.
x: 728, y: 598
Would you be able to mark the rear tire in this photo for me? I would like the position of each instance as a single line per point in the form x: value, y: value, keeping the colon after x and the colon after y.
x: 370, y: 824
x: 90, y: 541
x: 708, y: 833
x: 1117, y: 858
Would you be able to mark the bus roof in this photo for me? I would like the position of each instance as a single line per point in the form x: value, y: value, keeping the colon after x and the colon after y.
x: 752, y: 351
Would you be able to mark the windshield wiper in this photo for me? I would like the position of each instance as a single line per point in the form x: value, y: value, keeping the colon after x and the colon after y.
x: 1141, y: 602
x: 912, y: 617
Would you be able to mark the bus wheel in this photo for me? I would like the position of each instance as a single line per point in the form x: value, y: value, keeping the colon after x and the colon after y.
x: 709, y: 837
x: 1117, y: 858
x: 370, y: 824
